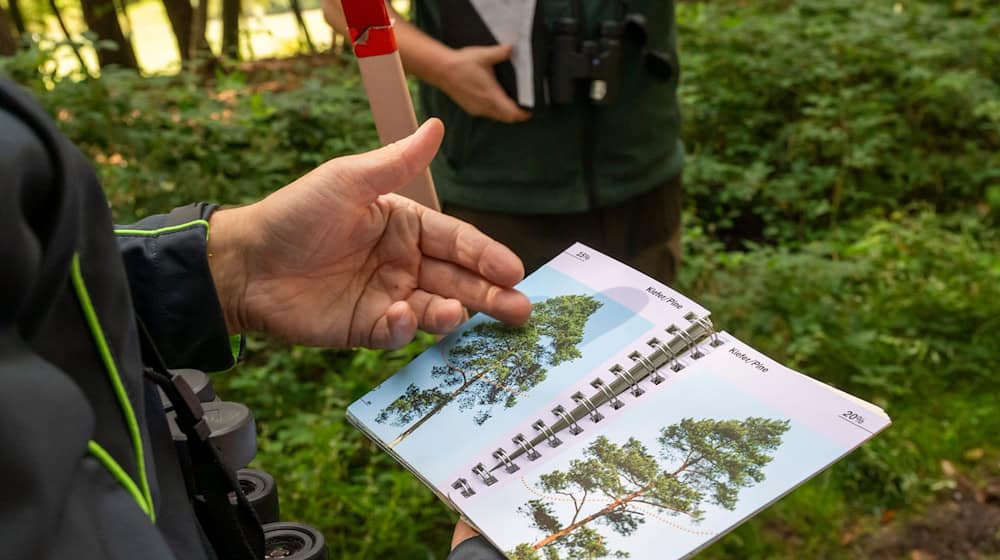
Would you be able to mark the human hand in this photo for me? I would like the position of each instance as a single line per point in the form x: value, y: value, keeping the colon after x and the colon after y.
x: 333, y: 259
x: 467, y: 77
x: 463, y: 532
x: 333, y: 13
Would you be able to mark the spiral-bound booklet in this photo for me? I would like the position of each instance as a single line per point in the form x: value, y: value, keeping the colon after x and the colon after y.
x: 618, y: 421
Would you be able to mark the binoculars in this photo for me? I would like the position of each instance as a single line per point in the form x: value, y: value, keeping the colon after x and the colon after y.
x: 233, y: 432
x: 597, y: 64
x: 594, y: 63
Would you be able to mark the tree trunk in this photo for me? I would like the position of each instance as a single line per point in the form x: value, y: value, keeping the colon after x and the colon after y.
x: 297, y: 10
x: 406, y: 433
x: 121, y: 6
x: 604, y: 511
x: 69, y: 38
x: 17, y: 17
x: 8, y: 42
x: 102, y: 19
x: 610, y: 507
x: 231, y: 28
x: 199, y: 44
x: 188, y: 25
x: 181, y: 17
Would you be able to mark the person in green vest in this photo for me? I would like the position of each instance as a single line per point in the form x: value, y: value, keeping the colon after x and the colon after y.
x: 605, y: 174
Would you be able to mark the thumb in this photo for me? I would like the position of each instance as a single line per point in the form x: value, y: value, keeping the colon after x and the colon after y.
x: 363, y: 177
x: 496, y: 54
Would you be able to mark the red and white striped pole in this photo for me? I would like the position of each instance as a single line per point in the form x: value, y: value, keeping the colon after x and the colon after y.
x: 382, y: 74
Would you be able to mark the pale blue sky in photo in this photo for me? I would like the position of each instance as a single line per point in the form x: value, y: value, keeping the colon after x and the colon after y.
x: 449, y: 440
x: 698, y: 394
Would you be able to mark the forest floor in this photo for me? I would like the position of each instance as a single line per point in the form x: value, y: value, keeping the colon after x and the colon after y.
x: 964, y: 523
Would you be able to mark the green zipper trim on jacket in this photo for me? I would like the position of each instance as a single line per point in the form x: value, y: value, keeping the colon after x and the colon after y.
x: 90, y: 315
x: 168, y: 229
x: 178, y: 227
x: 119, y: 473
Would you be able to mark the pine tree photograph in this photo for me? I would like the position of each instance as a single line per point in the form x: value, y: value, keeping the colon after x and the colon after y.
x: 618, y: 488
x: 491, y: 365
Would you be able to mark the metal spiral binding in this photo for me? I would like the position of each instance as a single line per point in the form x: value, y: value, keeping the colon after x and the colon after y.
x: 529, y: 450
x: 595, y: 415
x: 599, y: 384
x: 655, y: 344
x: 547, y: 431
x: 692, y: 344
x: 623, y: 373
x: 463, y: 486
x: 713, y: 335
x: 561, y: 412
x: 502, y: 456
x: 482, y: 472
x: 663, y: 355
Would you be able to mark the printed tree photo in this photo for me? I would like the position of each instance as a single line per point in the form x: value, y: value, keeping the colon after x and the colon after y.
x: 492, y: 364
x: 700, y: 461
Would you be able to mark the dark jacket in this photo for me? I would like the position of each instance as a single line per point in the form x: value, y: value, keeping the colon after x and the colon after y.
x: 84, y: 445
x: 88, y: 469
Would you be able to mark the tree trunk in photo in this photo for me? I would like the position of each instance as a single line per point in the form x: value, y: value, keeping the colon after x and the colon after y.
x: 181, y: 17
x: 8, y: 42
x: 601, y: 513
x: 406, y: 433
x: 17, y: 17
x: 297, y: 10
x: 231, y: 28
x: 102, y: 19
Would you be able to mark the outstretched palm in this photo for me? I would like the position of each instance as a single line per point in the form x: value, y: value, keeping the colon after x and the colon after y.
x: 334, y: 260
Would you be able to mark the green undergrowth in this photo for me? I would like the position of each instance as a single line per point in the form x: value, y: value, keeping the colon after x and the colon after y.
x: 902, y: 312
x: 801, y: 114
x: 842, y: 201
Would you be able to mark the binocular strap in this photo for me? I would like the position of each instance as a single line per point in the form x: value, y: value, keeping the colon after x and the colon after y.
x: 225, y: 515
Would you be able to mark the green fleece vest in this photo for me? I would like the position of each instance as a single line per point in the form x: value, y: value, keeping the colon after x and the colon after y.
x: 539, y: 166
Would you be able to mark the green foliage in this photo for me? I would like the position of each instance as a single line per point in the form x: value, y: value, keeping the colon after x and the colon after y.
x: 800, y: 114
x: 328, y: 473
x: 699, y: 460
x: 843, y: 187
x: 900, y: 311
x: 493, y: 363
x: 719, y: 457
x: 166, y: 139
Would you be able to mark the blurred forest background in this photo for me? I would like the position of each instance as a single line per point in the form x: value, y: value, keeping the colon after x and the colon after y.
x: 842, y: 204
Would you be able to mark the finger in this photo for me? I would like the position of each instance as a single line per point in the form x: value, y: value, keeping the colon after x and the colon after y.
x: 333, y: 13
x: 436, y: 314
x: 505, y: 110
x: 452, y: 240
x: 362, y: 178
x: 449, y: 281
x: 495, y: 54
x: 395, y: 328
x: 462, y: 532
